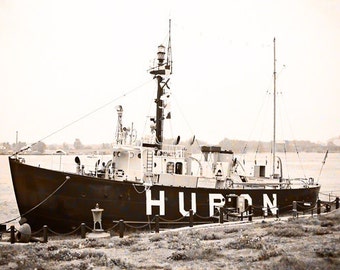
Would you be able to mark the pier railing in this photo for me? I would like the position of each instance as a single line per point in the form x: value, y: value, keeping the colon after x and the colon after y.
x: 154, y: 225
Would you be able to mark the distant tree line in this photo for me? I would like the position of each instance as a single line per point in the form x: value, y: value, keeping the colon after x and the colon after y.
x: 287, y: 146
x: 237, y: 146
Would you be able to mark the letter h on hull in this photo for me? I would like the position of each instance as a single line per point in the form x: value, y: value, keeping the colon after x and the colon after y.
x: 160, y: 203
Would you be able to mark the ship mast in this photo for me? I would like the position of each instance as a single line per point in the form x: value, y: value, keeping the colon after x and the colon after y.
x: 161, y: 72
x: 274, y: 122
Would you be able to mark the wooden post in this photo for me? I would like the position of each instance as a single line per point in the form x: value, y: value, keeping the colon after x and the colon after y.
x: 12, y: 235
x: 157, y: 223
x: 191, y: 218
x: 241, y: 216
x: 337, y: 202
x: 221, y: 215
x: 250, y: 217
x: 277, y: 212
x: 83, y: 230
x: 45, y: 231
x: 318, y: 207
x: 121, y: 228
x: 265, y: 212
x: 294, y: 209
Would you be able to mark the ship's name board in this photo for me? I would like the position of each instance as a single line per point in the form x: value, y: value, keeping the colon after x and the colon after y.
x: 216, y: 200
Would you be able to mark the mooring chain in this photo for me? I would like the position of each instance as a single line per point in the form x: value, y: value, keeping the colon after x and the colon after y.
x: 259, y: 207
x: 64, y: 234
x: 140, y: 192
x: 37, y: 232
x: 137, y: 227
x: 114, y: 226
x: 287, y: 206
x: 207, y: 217
x: 174, y: 220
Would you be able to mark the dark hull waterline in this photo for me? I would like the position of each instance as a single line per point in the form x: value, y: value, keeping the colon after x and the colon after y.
x: 63, y: 201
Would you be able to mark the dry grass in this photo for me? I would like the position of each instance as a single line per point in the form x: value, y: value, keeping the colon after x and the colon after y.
x: 287, y: 230
x: 304, y: 243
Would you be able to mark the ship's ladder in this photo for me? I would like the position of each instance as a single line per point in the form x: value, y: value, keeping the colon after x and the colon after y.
x: 149, y: 168
x: 149, y: 162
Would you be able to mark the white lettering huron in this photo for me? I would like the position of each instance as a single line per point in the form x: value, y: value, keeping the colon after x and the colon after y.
x: 248, y: 198
x: 272, y: 205
x: 160, y: 203
x: 215, y: 200
x: 181, y: 203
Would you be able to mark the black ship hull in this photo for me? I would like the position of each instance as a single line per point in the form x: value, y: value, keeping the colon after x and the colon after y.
x: 63, y: 201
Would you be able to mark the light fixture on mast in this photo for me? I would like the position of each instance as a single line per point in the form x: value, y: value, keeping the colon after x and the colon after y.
x: 159, y: 70
x: 161, y: 54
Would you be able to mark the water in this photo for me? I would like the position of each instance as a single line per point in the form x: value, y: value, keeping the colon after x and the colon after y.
x: 309, y: 166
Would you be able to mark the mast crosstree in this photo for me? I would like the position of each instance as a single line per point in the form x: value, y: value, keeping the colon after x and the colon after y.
x: 161, y: 72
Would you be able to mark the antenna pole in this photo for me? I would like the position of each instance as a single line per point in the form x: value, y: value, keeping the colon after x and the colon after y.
x: 169, y: 54
x: 274, y: 122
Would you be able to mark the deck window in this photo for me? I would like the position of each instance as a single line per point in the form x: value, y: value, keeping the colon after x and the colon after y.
x: 170, y: 166
x: 179, y: 167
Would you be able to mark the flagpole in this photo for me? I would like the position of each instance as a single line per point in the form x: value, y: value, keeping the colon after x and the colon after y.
x: 274, y: 122
x: 323, y: 164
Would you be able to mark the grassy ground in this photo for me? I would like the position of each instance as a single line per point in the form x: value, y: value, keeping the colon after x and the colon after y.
x: 303, y: 243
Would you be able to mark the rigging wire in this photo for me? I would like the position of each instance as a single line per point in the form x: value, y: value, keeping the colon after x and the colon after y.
x: 264, y: 101
x: 294, y: 140
x: 286, y: 160
x: 260, y: 112
x: 149, y: 115
x: 171, y: 129
x: 284, y: 112
x: 281, y: 117
x: 43, y: 201
x: 85, y: 115
x: 186, y: 121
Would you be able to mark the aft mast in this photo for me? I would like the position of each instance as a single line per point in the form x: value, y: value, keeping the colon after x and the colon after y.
x: 274, y: 122
x: 161, y: 72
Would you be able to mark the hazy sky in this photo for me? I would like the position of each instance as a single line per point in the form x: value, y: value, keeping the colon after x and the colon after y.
x: 60, y: 60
